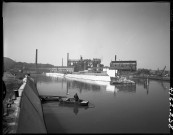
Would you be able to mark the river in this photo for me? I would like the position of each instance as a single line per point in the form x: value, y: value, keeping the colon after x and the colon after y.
x: 135, y: 108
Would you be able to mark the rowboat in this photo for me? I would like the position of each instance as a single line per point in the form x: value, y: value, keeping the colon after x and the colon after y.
x: 64, y: 100
x: 72, y: 101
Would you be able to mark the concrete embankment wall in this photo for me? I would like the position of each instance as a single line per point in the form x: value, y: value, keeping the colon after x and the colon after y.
x: 89, y: 77
x: 30, y: 118
x: 81, y: 76
x: 55, y: 74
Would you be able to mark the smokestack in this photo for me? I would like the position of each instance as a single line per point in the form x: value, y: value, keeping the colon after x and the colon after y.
x: 36, y: 61
x: 62, y: 62
x: 67, y: 59
x: 36, y: 57
x: 115, y: 57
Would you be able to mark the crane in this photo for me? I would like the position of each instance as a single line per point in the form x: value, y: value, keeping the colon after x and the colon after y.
x: 162, y: 71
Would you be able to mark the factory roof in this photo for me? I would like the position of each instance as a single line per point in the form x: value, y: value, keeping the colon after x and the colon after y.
x: 130, y: 61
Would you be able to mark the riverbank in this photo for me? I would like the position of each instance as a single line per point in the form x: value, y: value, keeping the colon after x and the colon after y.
x: 11, y: 103
x: 152, y: 77
x: 23, y: 108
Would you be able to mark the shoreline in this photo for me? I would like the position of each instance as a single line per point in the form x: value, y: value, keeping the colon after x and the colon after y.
x: 153, y: 78
x: 102, y: 78
x: 11, y: 103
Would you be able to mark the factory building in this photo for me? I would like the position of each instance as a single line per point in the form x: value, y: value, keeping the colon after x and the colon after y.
x: 65, y: 69
x: 84, y: 64
x: 123, y: 65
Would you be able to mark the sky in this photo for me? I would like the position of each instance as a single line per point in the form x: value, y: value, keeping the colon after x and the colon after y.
x: 131, y: 31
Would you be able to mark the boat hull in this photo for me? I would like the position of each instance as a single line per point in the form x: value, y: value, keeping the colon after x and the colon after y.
x: 115, y: 80
x: 49, y: 99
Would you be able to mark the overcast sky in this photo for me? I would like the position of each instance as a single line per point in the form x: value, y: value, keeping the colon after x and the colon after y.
x: 132, y: 31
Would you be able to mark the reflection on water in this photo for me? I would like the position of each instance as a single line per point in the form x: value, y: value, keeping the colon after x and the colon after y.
x: 131, y: 88
x: 82, y: 86
x: 146, y: 84
x: 127, y: 88
x: 44, y: 79
x: 74, y: 108
x: 139, y: 108
x: 74, y: 84
x: 163, y: 84
x: 143, y: 82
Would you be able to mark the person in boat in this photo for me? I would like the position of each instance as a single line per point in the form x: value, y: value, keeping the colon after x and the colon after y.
x: 76, y: 97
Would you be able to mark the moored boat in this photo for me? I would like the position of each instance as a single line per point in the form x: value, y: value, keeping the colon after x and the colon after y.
x: 50, y: 98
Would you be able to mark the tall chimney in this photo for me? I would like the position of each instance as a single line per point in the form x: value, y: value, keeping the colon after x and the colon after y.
x: 62, y: 62
x: 36, y: 61
x: 67, y: 59
x: 115, y: 57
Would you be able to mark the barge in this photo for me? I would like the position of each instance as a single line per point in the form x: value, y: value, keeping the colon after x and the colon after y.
x: 121, y: 80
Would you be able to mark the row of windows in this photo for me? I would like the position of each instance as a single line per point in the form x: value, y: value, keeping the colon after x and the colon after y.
x: 122, y: 65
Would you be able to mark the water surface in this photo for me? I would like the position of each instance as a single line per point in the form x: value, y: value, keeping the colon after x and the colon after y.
x: 113, y: 108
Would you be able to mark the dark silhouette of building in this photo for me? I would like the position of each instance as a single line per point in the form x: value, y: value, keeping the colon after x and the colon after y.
x: 85, y: 64
x: 123, y: 65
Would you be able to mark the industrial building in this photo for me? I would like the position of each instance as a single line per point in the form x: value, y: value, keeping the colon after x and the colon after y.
x: 85, y: 64
x: 94, y: 66
x: 123, y: 65
x: 65, y: 69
